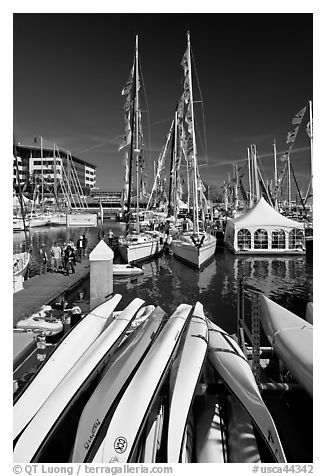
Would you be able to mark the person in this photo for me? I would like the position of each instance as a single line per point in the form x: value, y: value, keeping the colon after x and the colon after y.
x: 55, y: 257
x: 63, y: 255
x: 110, y: 235
x: 70, y: 260
x: 44, y: 260
x: 73, y: 247
x: 79, y: 246
x: 85, y: 241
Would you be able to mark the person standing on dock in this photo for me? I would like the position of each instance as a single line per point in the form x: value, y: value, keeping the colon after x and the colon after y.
x: 55, y: 257
x: 44, y: 260
x: 85, y: 241
x: 110, y: 236
x: 70, y: 260
x: 79, y: 246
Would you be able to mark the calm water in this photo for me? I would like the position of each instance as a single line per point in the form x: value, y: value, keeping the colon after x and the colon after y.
x: 168, y: 282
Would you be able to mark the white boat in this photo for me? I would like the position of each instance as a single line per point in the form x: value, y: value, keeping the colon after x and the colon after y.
x: 40, y: 321
x: 37, y: 435
x: 126, y: 270
x: 121, y: 439
x: 196, y: 248
x: 229, y: 361
x: 153, y: 434
x: 120, y: 369
x: 58, y: 219
x: 38, y: 220
x: 58, y: 364
x: 141, y: 316
x: 20, y: 263
x: 292, y: 339
x: 137, y: 247
x: 82, y: 219
x: 185, y: 374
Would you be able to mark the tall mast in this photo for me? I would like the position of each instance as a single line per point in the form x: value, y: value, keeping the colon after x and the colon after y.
x: 289, y: 183
x: 249, y: 177
x: 42, y: 180
x: 137, y: 151
x: 55, y: 175
x: 275, y: 162
x: 196, y: 224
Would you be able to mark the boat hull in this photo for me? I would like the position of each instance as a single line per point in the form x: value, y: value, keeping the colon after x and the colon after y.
x: 82, y: 219
x: 137, y: 252
x: 66, y: 354
x: 229, y: 361
x: 197, y: 257
x: 126, y: 270
x: 20, y: 263
x: 292, y: 339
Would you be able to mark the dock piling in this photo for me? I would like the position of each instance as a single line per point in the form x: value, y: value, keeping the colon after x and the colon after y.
x: 101, y: 274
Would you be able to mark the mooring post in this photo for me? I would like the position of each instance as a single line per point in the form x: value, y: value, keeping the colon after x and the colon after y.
x: 101, y: 274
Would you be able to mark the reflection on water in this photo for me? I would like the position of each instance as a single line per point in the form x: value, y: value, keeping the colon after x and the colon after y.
x: 168, y: 282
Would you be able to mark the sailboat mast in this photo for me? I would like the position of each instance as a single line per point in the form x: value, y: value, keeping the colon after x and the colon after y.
x: 137, y: 151
x: 289, y: 183
x: 249, y: 177
x: 275, y: 162
x: 196, y: 224
x: 42, y: 179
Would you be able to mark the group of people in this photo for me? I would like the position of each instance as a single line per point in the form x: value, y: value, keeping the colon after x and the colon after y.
x: 63, y: 256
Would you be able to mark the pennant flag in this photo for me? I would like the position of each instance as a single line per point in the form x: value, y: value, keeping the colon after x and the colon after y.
x: 292, y: 135
x: 128, y: 86
x: 298, y: 117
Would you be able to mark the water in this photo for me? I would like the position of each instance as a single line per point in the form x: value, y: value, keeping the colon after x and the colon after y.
x: 167, y: 282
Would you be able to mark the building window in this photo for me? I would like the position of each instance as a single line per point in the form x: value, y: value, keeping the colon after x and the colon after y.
x: 244, y: 239
x: 296, y: 239
x: 261, y: 239
x: 278, y: 239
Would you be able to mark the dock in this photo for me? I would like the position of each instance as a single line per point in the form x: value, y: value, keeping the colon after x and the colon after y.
x: 43, y: 289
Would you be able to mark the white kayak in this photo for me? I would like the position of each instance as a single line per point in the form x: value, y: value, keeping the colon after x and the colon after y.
x: 121, y: 439
x: 185, y: 374
x: 41, y: 322
x: 229, y: 361
x: 292, y: 339
x: 126, y: 270
x: 58, y: 364
x: 38, y: 433
x: 152, y: 439
x: 123, y: 364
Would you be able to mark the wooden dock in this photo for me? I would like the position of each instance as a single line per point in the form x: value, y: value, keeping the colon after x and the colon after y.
x: 43, y: 289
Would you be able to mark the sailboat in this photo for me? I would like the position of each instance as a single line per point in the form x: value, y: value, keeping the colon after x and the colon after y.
x: 135, y: 246
x: 196, y: 247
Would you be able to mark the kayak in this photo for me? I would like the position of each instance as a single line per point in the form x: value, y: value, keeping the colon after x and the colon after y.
x: 185, y: 374
x: 123, y: 433
x: 292, y: 339
x: 58, y: 364
x: 120, y: 369
x: 229, y: 361
x: 38, y: 433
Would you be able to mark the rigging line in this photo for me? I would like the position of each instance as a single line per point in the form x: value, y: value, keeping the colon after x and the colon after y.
x: 202, y: 107
x: 148, y: 121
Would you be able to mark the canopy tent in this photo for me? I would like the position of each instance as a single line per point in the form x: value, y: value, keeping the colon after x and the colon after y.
x: 262, y: 230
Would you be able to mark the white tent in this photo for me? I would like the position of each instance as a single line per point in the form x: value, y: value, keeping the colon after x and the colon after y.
x: 262, y: 230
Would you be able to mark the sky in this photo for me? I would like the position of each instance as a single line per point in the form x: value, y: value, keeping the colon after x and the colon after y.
x: 255, y: 72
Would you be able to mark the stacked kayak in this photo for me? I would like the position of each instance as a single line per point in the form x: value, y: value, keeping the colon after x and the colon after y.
x: 292, y: 339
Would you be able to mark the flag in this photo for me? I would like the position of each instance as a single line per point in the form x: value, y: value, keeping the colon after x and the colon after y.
x: 284, y: 156
x: 128, y: 86
x: 292, y: 135
x: 309, y: 129
x: 298, y: 117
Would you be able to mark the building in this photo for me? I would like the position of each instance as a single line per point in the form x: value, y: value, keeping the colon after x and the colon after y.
x: 57, y: 167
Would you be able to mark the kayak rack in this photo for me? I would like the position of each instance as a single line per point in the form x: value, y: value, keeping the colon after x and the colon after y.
x: 256, y: 354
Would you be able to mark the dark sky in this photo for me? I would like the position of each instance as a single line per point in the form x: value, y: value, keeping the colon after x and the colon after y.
x: 254, y: 71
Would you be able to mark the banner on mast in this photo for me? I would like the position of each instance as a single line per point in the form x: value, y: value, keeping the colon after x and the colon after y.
x: 299, y: 116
